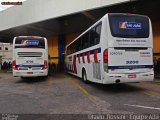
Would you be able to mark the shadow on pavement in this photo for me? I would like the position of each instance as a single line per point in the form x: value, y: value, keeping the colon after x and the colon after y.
x: 32, y: 80
x: 117, y: 88
x: 110, y: 88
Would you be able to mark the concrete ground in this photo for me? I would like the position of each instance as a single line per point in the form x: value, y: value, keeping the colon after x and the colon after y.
x: 63, y: 94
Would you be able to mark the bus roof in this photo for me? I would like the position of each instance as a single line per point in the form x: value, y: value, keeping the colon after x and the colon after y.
x: 28, y: 37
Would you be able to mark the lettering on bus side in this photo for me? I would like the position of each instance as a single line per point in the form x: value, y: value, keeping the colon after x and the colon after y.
x: 116, y: 53
x: 132, y: 62
x: 29, y: 61
x: 145, y: 54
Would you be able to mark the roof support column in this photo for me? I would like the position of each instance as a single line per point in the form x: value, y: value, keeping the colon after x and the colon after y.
x: 61, y: 49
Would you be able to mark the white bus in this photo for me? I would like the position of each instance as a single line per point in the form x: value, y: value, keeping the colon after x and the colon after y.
x: 30, y: 56
x: 116, y: 49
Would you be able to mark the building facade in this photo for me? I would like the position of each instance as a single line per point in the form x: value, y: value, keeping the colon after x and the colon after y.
x: 6, y: 52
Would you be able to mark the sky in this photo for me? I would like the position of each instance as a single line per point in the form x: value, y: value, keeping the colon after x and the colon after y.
x: 3, y: 7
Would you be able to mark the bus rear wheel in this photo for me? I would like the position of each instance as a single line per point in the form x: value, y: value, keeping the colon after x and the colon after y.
x: 84, y: 77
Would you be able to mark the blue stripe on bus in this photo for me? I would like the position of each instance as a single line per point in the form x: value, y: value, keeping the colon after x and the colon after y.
x: 91, y: 52
x: 130, y: 67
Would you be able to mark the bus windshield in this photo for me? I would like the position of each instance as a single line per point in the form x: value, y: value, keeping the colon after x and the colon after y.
x: 129, y: 26
x: 29, y: 43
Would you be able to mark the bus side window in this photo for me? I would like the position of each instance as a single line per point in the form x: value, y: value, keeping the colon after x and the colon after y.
x: 82, y: 42
x: 79, y: 46
x: 71, y: 49
x: 85, y: 40
x: 76, y: 46
x: 97, y: 34
x: 92, y: 34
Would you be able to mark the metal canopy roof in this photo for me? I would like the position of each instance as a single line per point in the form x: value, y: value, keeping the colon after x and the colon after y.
x: 80, y: 21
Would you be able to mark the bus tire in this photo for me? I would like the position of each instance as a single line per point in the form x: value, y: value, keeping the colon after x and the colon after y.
x: 84, y: 77
x: 45, y: 77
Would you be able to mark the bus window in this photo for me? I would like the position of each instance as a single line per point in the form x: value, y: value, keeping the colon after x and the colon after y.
x: 97, y: 34
x: 85, y: 40
x: 79, y: 47
x: 29, y: 43
x: 92, y: 34
x: 128, y: 26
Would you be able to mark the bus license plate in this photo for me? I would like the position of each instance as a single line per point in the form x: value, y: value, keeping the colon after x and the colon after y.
x: 29, y: 72
x: 132, y: 76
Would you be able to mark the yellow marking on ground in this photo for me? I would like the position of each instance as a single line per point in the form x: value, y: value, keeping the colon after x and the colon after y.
x: 83, y: 90
x: 50, y: 80
x: 147, y: 91
x: 156, y: 84
x: 151, y: 92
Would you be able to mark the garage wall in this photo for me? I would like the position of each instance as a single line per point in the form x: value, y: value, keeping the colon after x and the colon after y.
x: 156, y: 37
x: 53, y: 49
x: 70, y: 37
x: 53, y: 45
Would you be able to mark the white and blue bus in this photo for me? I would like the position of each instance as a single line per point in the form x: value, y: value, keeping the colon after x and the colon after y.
x: 30, y: 56
x: 116, y: 49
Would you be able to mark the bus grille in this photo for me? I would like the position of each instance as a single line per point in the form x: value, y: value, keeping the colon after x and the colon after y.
x: 29, y: 54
